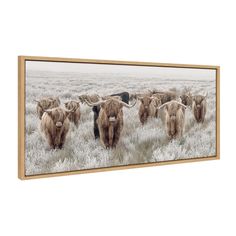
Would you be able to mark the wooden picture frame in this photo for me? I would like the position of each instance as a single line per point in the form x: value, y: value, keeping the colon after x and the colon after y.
x: 22, y: 111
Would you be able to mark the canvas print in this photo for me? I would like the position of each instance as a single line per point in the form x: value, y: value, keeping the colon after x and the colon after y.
x: 81, y: 116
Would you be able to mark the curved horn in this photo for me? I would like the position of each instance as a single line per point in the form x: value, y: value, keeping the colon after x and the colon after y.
x: 181, y: 104
x: 163, y: 105
x: 127, y: 105
x: 206, y: 94
x: 95, y: 103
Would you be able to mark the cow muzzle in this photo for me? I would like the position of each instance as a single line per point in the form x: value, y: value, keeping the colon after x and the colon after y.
x: 59, y: 125
x: 112, y: 119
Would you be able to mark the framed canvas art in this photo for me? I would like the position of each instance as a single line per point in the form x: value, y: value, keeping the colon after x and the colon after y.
x: 80, y: 115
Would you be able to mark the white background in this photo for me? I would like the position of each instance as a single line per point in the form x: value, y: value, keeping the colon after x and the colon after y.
x: 187, y: 199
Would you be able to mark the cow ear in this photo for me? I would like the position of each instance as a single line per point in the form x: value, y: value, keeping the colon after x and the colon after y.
x: 66, y: 103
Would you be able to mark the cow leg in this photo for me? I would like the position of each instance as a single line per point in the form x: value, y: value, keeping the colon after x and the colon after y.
x: 49, y: 139
x: 142, y: 119
x: 95, y: 126
x: 156, y: 114
x: 116, y: 137
x: 76, y: 123
x: 111, y: 134
x: 104, y: 137
x: 63, y: 139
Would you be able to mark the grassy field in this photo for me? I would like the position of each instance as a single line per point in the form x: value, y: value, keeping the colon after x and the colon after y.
x: 138, y: 144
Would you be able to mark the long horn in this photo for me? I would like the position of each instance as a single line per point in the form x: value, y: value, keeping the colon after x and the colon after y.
x: 206, y: 94
x: 127, y: 105
x: 163, y: 105
x: 95, y: 103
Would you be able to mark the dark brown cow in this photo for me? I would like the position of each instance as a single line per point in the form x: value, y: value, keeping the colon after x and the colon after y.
x: 55, y: 126
x: 46, y: 103
x: 110, y: 120
x: 174, y: 118
x: 199, y: 108
x: 74, y: 116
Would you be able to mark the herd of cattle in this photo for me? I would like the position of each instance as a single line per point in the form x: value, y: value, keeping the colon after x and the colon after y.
x: 108, y: 114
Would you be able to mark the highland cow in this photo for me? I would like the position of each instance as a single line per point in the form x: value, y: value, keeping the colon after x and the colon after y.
x: 91, y: 98
x: 165, y: 96
x: 74, y: 116
x: 135, y: 96
x: 55, y: 126
x: 199, y: 107
x: 148, y: 108
x: 155, y: 103
x: 124, y: 97
x: 46, y: 103
x: 186, y: 99
x: 174, y: 118
x: 110, y: 120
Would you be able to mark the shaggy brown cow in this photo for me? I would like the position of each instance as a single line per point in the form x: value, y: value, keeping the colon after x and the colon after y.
x: 174, y: 118
x: 135, y: 96
x: 46, y: 103
x: 186, y: 99
x: 90, y: 98
x: 75, y: 116
x: 55, y: 126
x: 148, y: 108
x: 156, y: 102
x: 165, y: 96
x: 110, y: 120
x: 109, y: 97
x: 199, y: 107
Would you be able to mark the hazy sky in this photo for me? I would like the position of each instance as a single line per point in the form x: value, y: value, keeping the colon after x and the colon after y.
x: 161, y: 72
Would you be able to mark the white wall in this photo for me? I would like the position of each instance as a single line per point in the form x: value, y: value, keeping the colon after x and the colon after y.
x: 188, y: 199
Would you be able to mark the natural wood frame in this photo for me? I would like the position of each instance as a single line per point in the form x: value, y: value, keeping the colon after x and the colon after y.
x: 21, y: 114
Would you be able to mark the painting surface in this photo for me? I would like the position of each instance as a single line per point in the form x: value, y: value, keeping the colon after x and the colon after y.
x: 137, y: 143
